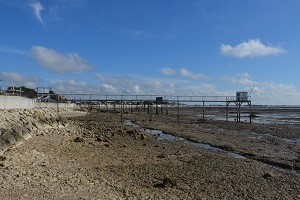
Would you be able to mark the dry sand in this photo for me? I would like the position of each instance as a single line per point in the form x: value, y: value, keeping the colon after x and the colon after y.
x: 98, y: 157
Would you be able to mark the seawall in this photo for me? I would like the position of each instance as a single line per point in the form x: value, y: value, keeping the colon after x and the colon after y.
x: 17, y: 125
x: 17, y: 102
x: 20, y: 118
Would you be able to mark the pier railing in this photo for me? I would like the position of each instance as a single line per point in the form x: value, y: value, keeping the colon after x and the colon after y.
x: 164, y: 98
x: 155, y: 104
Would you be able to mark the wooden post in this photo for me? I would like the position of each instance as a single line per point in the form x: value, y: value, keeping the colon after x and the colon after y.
x: 227, y: 103
x: 237, y: 112
x: 121, y: 109
x: 250, y: 113
x: 178, y: 112
x: 203, y: 112
x: 106, y: 104
x: 90, y: 108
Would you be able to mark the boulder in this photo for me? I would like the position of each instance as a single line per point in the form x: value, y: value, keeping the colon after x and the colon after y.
x: 23, y: 131
x: 9, y: 138
x: 3, y: 146
x: 18, y: 137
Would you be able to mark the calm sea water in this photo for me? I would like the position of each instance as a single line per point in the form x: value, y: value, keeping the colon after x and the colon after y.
x: 264, y: 115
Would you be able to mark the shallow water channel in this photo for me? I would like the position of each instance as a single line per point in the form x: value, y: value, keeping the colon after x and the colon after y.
x: 163, y: 136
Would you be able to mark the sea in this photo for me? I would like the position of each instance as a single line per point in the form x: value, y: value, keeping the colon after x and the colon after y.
x: 262, y: 114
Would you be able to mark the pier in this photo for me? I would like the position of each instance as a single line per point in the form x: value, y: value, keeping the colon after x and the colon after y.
x: 164, y: 104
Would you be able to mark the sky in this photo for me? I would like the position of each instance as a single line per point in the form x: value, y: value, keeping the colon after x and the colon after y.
x: 153, y: 47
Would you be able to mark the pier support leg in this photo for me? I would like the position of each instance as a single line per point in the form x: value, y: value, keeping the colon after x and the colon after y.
x: 203, y: 112
x: 178, y: 112
x: 227, y: 104
x: 250, y: 113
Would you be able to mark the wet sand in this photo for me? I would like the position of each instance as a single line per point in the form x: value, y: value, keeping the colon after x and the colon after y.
x: 99, y: 157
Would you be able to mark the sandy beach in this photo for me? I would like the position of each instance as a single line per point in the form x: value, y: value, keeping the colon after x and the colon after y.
x: 97, y: 156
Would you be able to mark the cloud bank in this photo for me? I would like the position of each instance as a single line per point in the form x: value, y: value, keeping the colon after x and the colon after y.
x: 270, y: 93
x: 57, y: 62
x: 265, y: 92
x: 251, y: 48
x: 16, y: 79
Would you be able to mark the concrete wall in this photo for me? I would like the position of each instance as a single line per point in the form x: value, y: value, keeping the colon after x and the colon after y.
x: 17, y: 102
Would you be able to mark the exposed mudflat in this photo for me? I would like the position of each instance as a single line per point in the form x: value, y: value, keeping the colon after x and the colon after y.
x: 99, y: 157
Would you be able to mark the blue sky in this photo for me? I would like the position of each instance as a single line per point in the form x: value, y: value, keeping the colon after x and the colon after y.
x: 169, y: 47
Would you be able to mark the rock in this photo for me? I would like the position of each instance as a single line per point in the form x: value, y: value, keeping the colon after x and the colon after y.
x: 162, y: 155
x: 29, y: 125
x: 3, y: 146
x: 2, y: 158
x: 101, y: 139
x: 267, y: 175
x: 9, y: 138
x: 143, y: 136
x: 18, y: 137
x: 130, y: 132
x: 36, y: 124
x: 168, y: 182
x: 78, y: 139
x: 53, y: 120
x: 23, y: 131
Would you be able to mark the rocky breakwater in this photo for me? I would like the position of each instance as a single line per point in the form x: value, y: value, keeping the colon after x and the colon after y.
x: 17, y: 125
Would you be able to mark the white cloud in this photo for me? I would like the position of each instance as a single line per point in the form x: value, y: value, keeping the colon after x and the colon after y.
x: 183, y: 72
x: 275, y: 93
x: 187, y: 74
x: 153, y: 84
x: 251, y: 48
x: 245, y: 75
x: 131, y: 89
x: 57, y: 62
x: 135, y: 85
x: 37, y: 7
x: 121, y: 84
x: 168, y: 71
x: 264, y: 92
x: 239, y: 79
x: 116, y: 79
x: 72, y: 86
x: 16, y: 79
x: 109, y: 89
